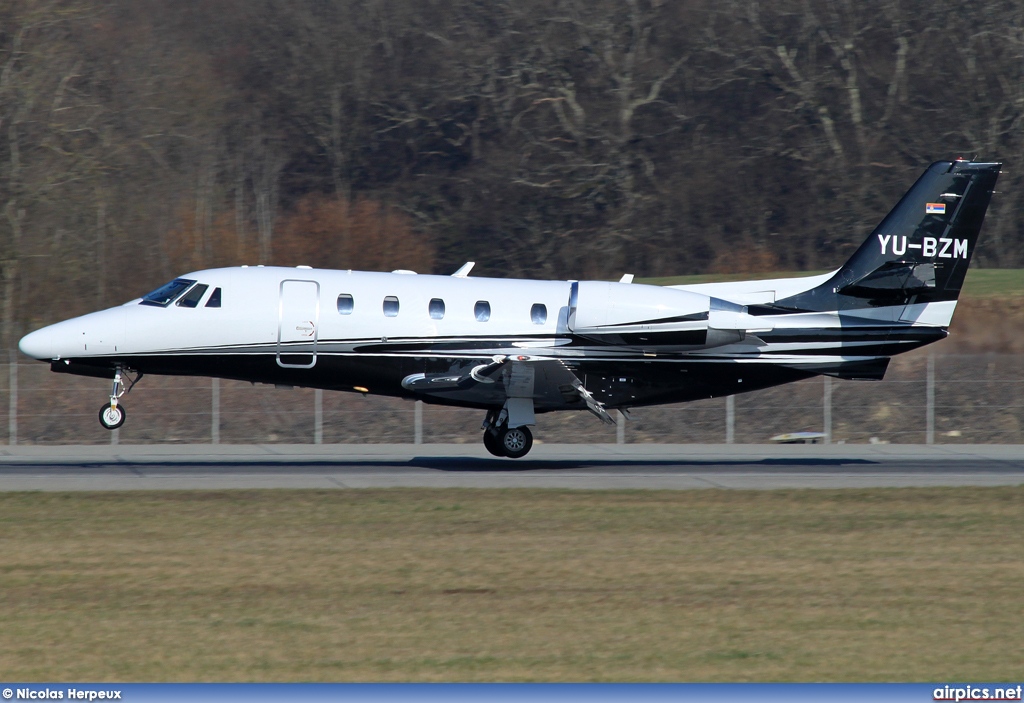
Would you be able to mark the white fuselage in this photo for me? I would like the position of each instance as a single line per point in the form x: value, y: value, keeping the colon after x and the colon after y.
x: 416, y: 335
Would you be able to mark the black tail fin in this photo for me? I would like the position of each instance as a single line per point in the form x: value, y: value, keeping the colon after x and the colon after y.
x: 920, y: 252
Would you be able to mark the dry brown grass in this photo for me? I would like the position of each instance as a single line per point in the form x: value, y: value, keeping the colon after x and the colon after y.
x: 513, y: 585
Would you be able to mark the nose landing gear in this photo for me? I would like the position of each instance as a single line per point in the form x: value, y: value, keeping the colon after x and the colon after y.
x: 112, y: 414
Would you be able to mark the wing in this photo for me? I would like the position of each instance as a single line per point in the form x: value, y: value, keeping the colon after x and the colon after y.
x: 550, y: 383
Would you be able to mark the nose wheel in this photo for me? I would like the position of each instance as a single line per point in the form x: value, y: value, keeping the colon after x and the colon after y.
x: 112, y: 414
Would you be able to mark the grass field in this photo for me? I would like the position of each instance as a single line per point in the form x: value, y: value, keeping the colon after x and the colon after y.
x: 980, y: 283
x: 513, y: 585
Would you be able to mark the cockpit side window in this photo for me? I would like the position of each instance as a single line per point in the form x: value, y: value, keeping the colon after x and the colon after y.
x: 214, y: 301
x: 192, y: 298
x: 166, y: 294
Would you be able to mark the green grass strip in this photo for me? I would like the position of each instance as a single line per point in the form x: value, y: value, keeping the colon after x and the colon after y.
x: 513, y: 585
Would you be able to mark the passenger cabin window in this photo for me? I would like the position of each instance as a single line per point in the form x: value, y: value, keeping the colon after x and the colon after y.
x: 436, y: 308
x: 345, y: 304
x: 214, y: 301
x: 166, y: 294
x: 539, y: 314
x: 192, y: 298
x: 390, y: 306
x: 482, y: 310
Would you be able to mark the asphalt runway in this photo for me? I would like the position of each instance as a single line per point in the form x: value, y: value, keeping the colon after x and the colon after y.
x: 609, y: 466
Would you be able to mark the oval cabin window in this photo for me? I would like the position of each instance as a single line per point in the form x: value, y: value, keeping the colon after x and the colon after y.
x: 390, y: 306
x: 345, y: 304
x: 482, y: 310
x: 436, y: 309
x: 539, y: 314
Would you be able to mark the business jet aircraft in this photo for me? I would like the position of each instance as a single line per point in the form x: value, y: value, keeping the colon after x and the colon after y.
x: 514, y: 348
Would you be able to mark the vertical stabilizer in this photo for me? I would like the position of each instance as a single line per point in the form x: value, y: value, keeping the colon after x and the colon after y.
x: 920, y: 252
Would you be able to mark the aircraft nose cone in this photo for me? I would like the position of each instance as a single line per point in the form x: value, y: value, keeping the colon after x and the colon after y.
x: 38, y: 344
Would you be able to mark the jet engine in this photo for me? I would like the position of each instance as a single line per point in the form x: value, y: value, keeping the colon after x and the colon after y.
x: 652, y: 316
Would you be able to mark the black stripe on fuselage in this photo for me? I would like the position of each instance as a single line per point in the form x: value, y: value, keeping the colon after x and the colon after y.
x: 652, y: 375
x: 858, y: 334
x: 615, y: 382
x: 882, y: 341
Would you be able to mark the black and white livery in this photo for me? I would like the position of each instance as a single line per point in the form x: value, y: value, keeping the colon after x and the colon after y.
x: 515, y: 348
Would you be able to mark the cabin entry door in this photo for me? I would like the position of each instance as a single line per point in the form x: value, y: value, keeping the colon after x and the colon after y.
x: 298, y: 324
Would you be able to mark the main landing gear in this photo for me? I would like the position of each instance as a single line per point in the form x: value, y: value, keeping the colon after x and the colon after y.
x: 511, y: 442
x: 112, y: 414
x: 502, y: 440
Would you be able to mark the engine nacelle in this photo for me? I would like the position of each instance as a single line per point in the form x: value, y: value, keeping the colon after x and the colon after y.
x: 652, y: 316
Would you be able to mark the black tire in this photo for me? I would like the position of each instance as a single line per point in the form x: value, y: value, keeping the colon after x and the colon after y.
x: 517, y: 442
x: 111, y: 417
x: 492, y: 443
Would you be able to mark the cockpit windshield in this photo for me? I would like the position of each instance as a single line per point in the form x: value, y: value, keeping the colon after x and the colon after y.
x: 166, y: 294
x: 192, y: 298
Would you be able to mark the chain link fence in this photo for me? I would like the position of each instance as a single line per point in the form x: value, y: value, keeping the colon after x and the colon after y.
x: 924, y: 399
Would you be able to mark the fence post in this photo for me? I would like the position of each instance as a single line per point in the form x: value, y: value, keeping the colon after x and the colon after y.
x: 215, y: 412
x: 929, y: 412
x: 826, y: 404
x: 318, y: 416
x: 620, y: 429
x: 12, y: 407
x: 417, y: 421
x: 730, y: 419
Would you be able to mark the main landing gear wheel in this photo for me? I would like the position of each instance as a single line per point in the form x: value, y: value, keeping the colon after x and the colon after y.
x: 492, y: 443
x: 516, y: 441
x: 112, y: 416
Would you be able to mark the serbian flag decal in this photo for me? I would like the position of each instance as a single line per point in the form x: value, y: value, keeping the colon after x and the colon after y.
x: 935, y: 208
